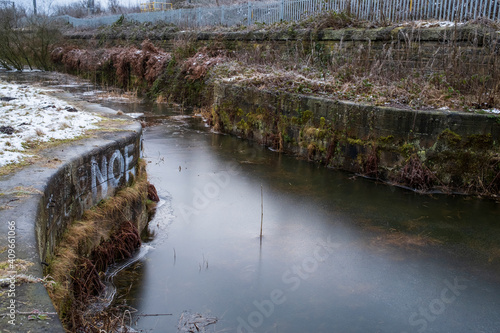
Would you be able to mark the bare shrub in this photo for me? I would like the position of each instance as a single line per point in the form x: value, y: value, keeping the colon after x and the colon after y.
x: 26, y: 41
x: 415, y: 175
x: 77, y: 9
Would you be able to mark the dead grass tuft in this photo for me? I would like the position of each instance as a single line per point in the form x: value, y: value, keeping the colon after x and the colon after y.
x: 120, y: 245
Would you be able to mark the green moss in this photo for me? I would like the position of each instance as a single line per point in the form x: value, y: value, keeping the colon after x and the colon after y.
x: 386, y: 139
x: 322, y: 150
x: 305, y: 117
x: 283, y: 121
x: 252, y: 119
x: 358, y: 142
x: 174, y: 85
x: 322, y: 122
x: 450, y: 138
x: 243, y: 126
x: 407, y: 149
x: 224, y: 118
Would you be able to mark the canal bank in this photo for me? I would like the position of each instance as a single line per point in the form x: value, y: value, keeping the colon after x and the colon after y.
x: 424, y: 150
x: 414, y: 105
x: 40, y: 202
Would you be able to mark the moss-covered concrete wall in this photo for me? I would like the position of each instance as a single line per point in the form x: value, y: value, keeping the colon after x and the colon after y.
x: 450, y: 151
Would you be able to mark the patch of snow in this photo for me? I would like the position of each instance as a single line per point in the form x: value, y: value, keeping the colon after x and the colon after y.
x: 297, y: 78
x: 179, y: 117
x: 429, y: 24
x: 36, y: 116
x: 93, y: 92
x: 496, y: 111
x: 444, y: 108
x: 135, y: 115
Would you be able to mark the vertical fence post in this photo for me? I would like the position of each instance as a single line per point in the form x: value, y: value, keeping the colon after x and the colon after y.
x: 249, y: 15
x: 450, y: 11
x: 460, y: 7
x: 282, y: 10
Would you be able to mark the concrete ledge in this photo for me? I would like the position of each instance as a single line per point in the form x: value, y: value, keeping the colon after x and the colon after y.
x: 362, y: 121
x: 39, y: 201
x: 478, y: 33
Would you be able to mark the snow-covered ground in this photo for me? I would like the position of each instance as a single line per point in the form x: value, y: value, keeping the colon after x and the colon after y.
x: 30, y: 114
x: 430, y: 24
x: 496, y: 111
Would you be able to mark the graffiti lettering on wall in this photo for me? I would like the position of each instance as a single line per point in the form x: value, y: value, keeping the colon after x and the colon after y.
x: 109, y: 173
x: 82, y: 184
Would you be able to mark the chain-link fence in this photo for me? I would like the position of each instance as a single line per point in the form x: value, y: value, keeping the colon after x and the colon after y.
x: 293, y: 10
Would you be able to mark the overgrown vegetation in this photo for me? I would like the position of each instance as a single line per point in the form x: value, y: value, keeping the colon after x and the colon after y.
x: 129, y: 68
x: 88, y: 246
x: 462, y: 73
x: 179, y: 76
x: 26, y: 41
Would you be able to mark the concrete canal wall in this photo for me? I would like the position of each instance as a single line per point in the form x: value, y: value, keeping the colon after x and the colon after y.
x: 40, y: 201
x: 422, y: 149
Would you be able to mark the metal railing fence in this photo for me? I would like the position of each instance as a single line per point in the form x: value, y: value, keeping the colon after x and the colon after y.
x: 293, y: 10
